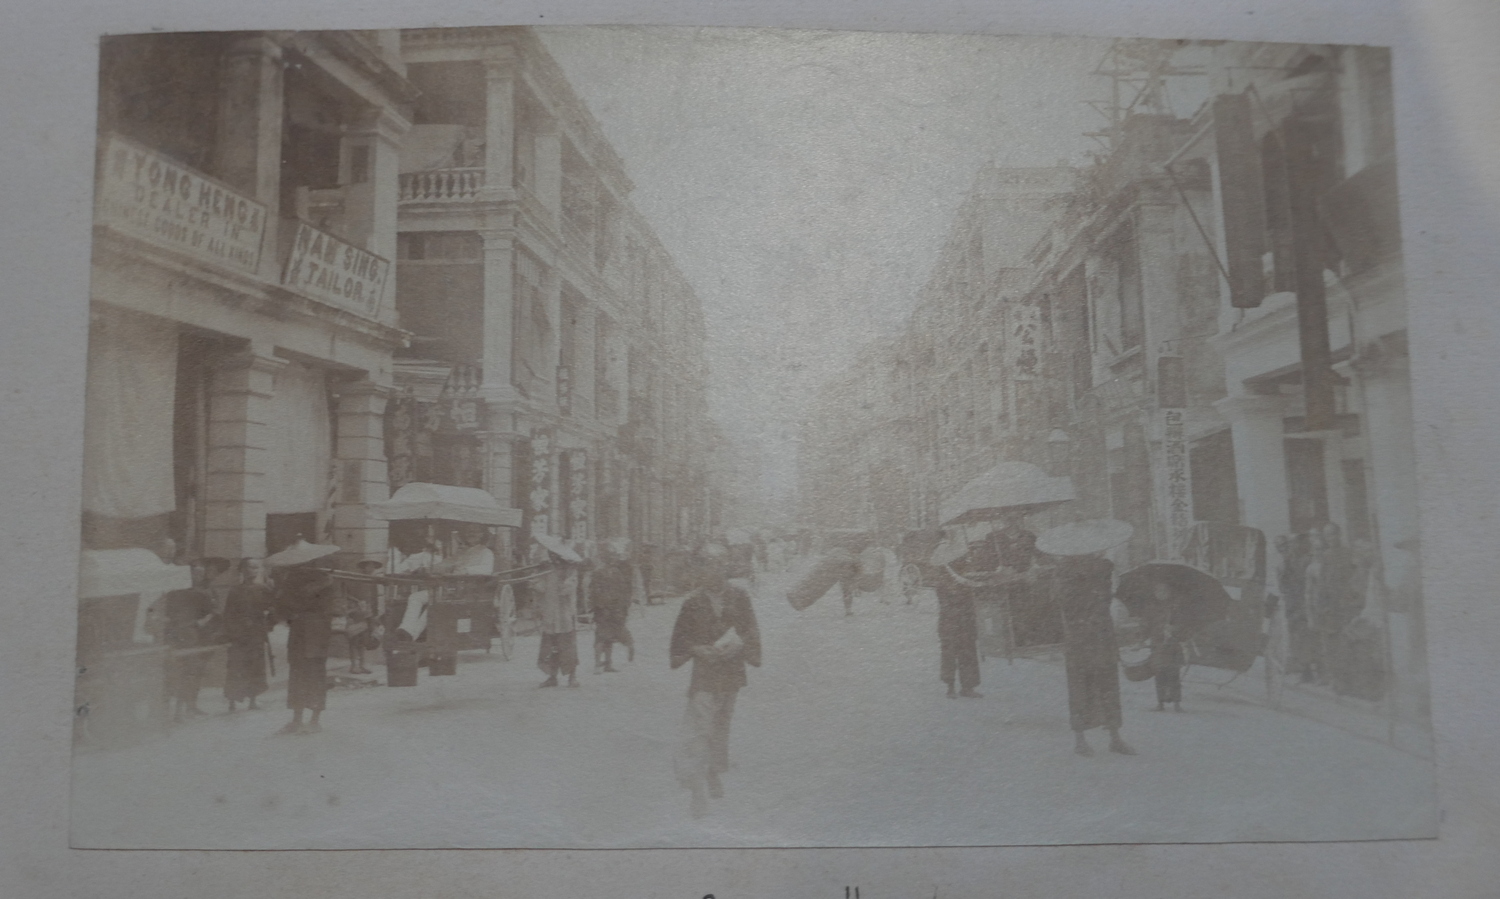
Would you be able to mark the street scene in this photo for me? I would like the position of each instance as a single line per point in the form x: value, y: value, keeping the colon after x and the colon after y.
x: 646, y: 437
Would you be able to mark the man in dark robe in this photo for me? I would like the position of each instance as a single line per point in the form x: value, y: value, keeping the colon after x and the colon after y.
x: 609, y: 594
x: 958, y: 624
x: 247, y: 619
x: 188, y: 616
x: 1084, y: 588
x: 305, y: 601
x: 715, y: 630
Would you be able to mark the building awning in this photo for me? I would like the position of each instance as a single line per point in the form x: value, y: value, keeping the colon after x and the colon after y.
x: 120, y: 572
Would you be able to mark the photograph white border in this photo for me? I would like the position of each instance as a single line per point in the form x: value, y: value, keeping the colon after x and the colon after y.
x: 1446, y: 69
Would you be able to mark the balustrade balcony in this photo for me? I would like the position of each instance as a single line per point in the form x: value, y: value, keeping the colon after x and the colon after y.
x: 442, y: 185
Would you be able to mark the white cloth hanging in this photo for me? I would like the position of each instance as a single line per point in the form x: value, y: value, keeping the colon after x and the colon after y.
x: 130, y: 402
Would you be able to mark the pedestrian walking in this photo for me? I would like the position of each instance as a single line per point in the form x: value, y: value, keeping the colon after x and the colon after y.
x: 557, y: 606
x: 247, y: 627
x: 1090, y: 656
x: 1083, y: 586
x: 958, y: 620
x: 716, y: 631
x: 610, y: 591
x: 305, y: 598
x: 1291, y: 582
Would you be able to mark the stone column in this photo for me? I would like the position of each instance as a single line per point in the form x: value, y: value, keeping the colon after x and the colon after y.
x: 552, y: 299
x: 383, y: 130
x: 362, y: 476
x: 584, y: 348
x: 500, y: 124
x: 548, y: 143
x: 1385, y: 380
x: 499, y: 316
x: 1259, y: 460
x: 248, y: 151
x: 238, y: 433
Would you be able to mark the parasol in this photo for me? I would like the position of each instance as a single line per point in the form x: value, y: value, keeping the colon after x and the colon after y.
x: 1198, y: 598
x: 1008, y: 487
x: 300, y: 553
x: 558, y: 548
x: 471, y: 505
x: 1084, y: 538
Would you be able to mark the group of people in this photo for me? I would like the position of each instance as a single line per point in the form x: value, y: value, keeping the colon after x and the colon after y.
x: 1323, y: 584
x: 1006, y: 561
x: 240, y: 616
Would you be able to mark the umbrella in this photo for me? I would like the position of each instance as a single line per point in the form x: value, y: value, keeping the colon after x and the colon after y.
x: 1008, y: 487
x: 1084, y: 538
x: 417, y: 501
x: 558, y: 548
x: 1200, y: 600
x: 300, y: 553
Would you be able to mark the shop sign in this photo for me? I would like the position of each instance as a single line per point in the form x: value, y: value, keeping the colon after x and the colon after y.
x: 326, y: 268
x: 1177, y: 481
x: 145, y: 195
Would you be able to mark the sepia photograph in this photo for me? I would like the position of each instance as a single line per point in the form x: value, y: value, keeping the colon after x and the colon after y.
x: 604, y: 437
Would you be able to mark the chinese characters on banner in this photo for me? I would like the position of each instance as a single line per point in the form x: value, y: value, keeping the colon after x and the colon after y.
x: 1176, y: 481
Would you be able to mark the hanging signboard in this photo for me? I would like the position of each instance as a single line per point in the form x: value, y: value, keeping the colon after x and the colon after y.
x: 340, y: 274
x: 143, y: 194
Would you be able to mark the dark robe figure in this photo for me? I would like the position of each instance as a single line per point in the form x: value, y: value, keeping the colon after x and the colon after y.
x: 1084, y: 588
x: 609, y: 593
x: 305, y: 601
x: 1291, y: 582
x: 247, y: 625
x: 715, y: 630
x: 958, y: 632
x: 184, y: 613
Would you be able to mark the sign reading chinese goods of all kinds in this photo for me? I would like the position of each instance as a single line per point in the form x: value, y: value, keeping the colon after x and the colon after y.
x: 145, y: 195
x: 340, y: 274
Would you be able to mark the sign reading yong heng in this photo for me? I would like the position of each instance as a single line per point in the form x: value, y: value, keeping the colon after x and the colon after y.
x: 325, y: 268
x: 145, y: 195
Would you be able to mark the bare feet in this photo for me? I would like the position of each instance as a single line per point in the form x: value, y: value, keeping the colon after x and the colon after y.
x: 549, y: 682
x: 1082, y: 747
x: 291, y: 727
x: 971, y: 693
x: 1119, y: 746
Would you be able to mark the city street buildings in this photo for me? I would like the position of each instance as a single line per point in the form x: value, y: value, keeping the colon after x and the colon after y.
x: 557, y: 352
x: 1208, y: 324
x: 328, y: 264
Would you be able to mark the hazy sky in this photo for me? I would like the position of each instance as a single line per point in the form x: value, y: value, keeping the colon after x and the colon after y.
x: 805, y: 181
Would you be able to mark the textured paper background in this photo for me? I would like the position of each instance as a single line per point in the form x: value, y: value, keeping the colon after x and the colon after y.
x: 1446, y: 69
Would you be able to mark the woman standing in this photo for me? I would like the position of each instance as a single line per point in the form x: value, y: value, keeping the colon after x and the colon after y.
x: 247, y: 612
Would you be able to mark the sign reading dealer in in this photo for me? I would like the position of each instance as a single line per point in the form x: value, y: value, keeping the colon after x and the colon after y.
x: 145, y: 195
x: 325, y: 268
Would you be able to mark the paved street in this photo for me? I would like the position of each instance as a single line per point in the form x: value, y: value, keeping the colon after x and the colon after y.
x: 844, y: 737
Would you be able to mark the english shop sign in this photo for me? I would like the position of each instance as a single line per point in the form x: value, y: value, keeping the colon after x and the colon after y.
x: 147, y: 196
x: 325, y: 268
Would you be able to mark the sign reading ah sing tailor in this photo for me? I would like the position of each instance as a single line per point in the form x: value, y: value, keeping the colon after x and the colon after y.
x: 328, y: 269
x: 147, y: 196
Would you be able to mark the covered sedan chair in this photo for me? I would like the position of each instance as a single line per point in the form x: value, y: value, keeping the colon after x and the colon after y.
x: 456, y: 611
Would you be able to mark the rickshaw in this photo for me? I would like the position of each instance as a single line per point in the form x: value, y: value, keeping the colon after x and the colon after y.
x: 463, y: 611
x: 1016, y: 615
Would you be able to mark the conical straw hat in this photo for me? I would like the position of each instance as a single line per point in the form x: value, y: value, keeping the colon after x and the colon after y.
x: 300, y: 553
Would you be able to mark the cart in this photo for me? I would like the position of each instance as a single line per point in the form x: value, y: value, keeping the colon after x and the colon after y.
x: 462, y: 611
